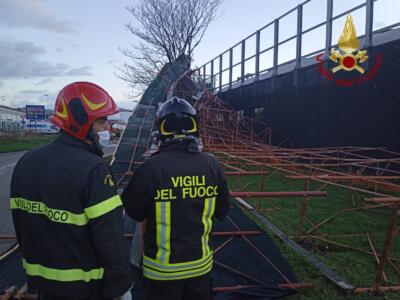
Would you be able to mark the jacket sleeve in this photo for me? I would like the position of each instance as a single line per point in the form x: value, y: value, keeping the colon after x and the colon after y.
x: 222, y: 204
x: 103, y: 207
x: 14, y: 192
x: 139, y: 193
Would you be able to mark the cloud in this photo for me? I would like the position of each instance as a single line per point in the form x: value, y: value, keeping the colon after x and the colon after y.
x: 112, y: 61
x: 379, y: 24
x: 127, y: 104
x: 32, y: 14
x: 44, y: 81
x: 69, y: 42
x: 59, y: 50
x: 79, y: 71
x: 32, y: 97
x: 33, y: 92
x: 19, y: 59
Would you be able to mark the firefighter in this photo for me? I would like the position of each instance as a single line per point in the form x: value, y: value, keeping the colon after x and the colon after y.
x: 66, y: 210
x: 179, y: 190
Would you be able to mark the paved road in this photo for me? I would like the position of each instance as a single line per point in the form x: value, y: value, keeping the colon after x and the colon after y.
x: 7, y: 164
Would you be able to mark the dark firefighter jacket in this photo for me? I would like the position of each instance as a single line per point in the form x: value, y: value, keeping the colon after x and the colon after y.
x: 178, y: 192
x: 68, y: 220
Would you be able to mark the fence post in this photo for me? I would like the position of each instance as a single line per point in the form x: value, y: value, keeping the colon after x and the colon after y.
x: 369, y: 23
x: 257, y: 70
x: 230, y: 67
x: 220, y: 73
x: 299, y: 34
x: 276, y: 41
x: 212, y: 75
x: 242, y: 64
x: 329, y: 15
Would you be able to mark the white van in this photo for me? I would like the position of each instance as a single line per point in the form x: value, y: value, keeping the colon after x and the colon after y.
x: 41, y: 127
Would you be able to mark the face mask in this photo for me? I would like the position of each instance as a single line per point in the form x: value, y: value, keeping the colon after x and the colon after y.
x: 104, y: 138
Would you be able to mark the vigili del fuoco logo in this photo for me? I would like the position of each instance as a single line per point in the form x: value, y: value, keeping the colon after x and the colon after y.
x: 349, y: 58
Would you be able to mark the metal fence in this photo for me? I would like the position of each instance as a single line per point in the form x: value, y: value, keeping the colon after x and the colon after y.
x: 9, y: 127
x: 253, y: 56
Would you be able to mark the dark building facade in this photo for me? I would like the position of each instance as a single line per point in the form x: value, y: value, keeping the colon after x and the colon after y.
x: 343, y: 109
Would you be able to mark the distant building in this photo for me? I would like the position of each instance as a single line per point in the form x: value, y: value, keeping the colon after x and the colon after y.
x: 121, y: 117
x: 10, y: 114
x: 119, y: 120
x: 11, y: 120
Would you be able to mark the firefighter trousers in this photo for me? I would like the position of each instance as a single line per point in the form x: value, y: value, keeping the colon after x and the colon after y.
x: 197, y: 288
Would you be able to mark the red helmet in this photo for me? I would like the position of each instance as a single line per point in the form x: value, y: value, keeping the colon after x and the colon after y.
x: 78, y: 105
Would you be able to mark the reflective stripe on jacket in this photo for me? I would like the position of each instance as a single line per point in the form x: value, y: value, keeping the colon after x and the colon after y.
x: 67, y: 217
x: 179, y: 193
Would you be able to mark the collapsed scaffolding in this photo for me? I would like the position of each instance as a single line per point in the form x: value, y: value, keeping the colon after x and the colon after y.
x: 237, y: 231
x: 371, y: 177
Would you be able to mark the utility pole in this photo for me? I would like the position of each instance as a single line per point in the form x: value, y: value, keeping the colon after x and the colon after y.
x: 47, y: 101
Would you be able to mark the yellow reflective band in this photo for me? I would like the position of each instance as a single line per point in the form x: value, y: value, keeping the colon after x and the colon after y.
x: 103, y: 207
x: 55, y: 215
x: 163, y: 231
x: 178, y: 267
x: 155, y: 275
x: 178, y: 136
x: 162, y: 129
x: 208, y: 212
x: 194, y: 129
x: 62, y: 274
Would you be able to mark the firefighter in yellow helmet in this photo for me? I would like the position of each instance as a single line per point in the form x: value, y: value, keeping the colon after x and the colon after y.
x: 179, y: 190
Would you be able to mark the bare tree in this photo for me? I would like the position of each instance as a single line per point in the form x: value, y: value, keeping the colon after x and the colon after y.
x: 169, y: 28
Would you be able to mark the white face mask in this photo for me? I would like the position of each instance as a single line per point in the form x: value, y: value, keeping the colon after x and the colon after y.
x: 104, y: 138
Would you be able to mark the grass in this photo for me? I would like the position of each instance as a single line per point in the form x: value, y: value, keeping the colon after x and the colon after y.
x: 23, y: 142
x: 357, y: 268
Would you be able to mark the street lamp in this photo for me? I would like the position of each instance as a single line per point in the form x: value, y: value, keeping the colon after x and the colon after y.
x: 47, y: 102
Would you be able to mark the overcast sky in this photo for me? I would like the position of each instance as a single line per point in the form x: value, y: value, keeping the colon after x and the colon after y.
x: 46, y: 44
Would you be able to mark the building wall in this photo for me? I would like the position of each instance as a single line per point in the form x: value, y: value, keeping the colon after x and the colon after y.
x: 313, y: 111
x: 10, y: 120
x: 10, y: 115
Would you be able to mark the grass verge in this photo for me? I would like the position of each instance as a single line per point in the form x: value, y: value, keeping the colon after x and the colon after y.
x: 357, y: 268
x: 23, y: 142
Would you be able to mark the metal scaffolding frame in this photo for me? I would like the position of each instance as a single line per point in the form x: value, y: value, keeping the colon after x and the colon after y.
x: 243, y: 147
x: 373, y: 173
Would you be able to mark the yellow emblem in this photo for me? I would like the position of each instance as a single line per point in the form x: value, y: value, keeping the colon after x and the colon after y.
x: 348, y: 44
x: 64, y: 112
x: 108, y: 180
x: 91, y: 105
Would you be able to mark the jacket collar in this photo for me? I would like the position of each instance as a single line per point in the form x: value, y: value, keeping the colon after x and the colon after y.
x: 178, y: 145
x: 65, y: 138
x: 182, y: 145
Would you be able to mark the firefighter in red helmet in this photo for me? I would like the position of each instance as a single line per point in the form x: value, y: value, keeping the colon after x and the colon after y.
x: 81, y: 110
x: 66, y: 210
